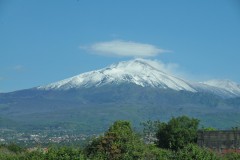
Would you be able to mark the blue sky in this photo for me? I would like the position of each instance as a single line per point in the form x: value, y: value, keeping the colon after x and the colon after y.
x: 46, y: 41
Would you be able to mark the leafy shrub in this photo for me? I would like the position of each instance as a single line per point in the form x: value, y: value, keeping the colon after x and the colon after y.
x: 119, y: 142
x: 231, y: 156
x: 177, y: 133
x: 194, y: 152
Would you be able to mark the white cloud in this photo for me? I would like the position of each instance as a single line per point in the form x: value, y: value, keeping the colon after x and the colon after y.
x: 124, y: 49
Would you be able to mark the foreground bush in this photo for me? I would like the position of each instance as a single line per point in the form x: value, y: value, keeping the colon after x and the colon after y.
x: 177, y: 133
x: 231, y: 156
x: 119, y: 142
x: 151, y: 152
x: 194, y: 152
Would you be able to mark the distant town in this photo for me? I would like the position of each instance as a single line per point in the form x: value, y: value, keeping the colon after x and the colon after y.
x: 42, y: 138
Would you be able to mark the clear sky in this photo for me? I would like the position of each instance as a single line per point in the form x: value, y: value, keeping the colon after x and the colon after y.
x: 48, y: 40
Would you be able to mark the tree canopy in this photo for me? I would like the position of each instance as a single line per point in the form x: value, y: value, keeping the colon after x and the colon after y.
x: 119, y: 142
x: 177, y: 133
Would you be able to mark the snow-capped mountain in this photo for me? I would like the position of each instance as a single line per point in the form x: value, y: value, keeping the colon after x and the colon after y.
x: 139, y: 71
x: 145, y: 73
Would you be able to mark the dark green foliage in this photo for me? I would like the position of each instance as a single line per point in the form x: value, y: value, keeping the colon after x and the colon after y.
x: 9, y: 157
x: 151, y: 152
x: 64, y: 153
x: 38, y: 155
x: 194, y: 152
x: 177, y: 133
x: 10, y: 152
x: 14, y: 148
x: 231, y: 156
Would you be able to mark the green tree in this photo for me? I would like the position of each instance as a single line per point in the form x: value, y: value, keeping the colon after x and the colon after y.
x: 177, y: 133
x: 119, y: 142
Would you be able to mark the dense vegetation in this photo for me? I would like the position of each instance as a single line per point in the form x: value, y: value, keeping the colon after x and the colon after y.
x: 177, y: 133
x: 174, y: 140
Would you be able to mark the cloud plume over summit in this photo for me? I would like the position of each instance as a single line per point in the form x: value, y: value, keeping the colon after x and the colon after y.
x: 124, y: 49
